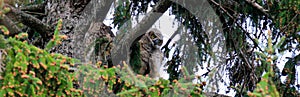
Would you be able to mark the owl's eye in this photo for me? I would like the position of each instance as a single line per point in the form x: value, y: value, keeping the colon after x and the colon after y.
x: 153, y: 36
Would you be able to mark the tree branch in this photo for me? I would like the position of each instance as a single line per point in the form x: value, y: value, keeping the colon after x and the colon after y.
x: 93, y: 13
x: 283, y: 29
x: 11, y: 26
x: 34, y: 8
x: 43, y: 29
x: 103, y: 9
x: 173, y: 35
x: 124, y: 40
x: 217, y: 4
x: 234, y: 17
x: 80, y: 5
x: 257, y: 6
x: 165, y: 47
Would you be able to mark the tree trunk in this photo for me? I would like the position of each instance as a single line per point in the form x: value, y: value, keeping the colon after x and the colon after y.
x: 82, y: 23
x: 81, y: 18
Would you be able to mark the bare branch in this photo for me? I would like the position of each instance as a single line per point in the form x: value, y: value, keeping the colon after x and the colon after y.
x: 217, y: 4
x: 34, y: 8
x: 257, y: 6
x: 11, y: 26
x: 173, y: 35
x: 31, y: 22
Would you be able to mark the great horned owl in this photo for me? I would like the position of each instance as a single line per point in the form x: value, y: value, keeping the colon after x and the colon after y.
x: 146, y: 56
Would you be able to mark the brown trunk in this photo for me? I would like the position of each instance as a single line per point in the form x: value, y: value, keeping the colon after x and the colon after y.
x: 79, y: 19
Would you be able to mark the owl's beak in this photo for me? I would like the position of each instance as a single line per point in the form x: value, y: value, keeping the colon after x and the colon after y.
x: 157, y: 42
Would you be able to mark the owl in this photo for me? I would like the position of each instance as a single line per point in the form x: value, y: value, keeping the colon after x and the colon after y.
x: 146, y: 56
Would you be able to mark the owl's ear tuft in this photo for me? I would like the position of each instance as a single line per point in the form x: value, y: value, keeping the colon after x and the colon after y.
x: 151, y: 33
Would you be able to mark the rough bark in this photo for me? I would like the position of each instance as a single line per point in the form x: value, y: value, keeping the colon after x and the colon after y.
x: 42, y: 28
x: 7, y: 22
x: 57, y: 9
x: 90, y: 23
x: 78, y: 16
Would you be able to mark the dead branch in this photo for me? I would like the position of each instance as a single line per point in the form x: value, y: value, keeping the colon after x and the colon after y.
x: 257, y: 6
x: 43, y: 29
x: 11, y: 26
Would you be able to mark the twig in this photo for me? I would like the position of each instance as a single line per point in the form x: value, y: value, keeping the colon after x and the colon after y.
x: 257, y: 6
x: 233, y: 17
x: 217, y: 4
x: 285, y: 27
x: 171, y: 38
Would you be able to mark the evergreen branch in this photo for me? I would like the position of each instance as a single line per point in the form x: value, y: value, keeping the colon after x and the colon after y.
x: 234, y: 17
